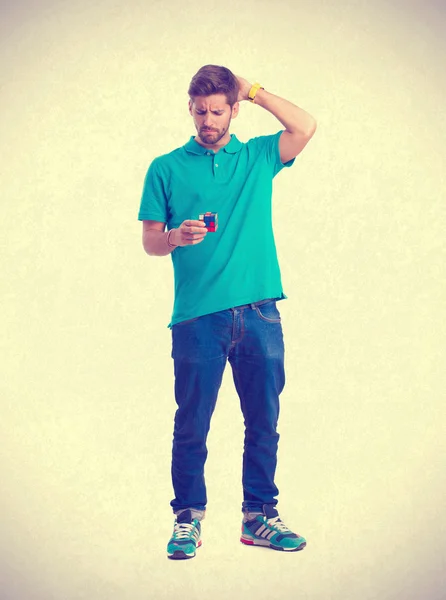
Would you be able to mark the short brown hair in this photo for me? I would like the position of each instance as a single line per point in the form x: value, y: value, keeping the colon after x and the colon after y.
x: 212, y: 79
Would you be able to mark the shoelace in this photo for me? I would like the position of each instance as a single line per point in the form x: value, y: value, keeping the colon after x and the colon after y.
x: 183, y: 530
x: 278, y: 524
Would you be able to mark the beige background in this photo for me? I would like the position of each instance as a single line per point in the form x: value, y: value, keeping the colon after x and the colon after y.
x: 89, y: 96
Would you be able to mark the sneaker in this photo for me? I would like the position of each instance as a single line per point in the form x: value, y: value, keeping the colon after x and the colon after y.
x: 268, y: 530
x: 186, y: 537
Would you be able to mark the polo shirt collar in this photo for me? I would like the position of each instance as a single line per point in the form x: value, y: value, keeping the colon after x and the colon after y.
x: 233, y: 146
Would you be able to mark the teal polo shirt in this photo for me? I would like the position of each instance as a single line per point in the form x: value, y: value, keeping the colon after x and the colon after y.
x: 238, y: 263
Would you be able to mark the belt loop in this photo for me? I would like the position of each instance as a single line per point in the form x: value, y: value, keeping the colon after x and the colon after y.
x: 253, y: 305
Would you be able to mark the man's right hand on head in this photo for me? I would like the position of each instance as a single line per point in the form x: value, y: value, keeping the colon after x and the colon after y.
x: 189, y: 233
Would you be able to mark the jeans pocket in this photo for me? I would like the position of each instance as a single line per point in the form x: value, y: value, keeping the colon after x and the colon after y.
x: 268, y: 312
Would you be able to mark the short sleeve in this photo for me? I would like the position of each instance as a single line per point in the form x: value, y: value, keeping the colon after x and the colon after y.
x: 153, y: 205
x: 269, y: 146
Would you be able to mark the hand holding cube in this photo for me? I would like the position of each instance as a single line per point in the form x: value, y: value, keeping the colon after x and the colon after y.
x: 192, y: 231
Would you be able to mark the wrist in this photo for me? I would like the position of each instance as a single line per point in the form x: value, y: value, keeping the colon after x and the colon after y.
x: 170, y: 242
x: 260, y: 96
x: 255, y: 88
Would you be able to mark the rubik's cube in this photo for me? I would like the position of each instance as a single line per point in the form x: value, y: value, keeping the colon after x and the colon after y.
x: 210, y: 220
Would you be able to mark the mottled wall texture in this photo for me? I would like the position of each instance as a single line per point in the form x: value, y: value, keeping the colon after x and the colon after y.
x: 90, y: 93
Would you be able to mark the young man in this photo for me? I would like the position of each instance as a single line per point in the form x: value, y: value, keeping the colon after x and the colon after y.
x: 227, y: 283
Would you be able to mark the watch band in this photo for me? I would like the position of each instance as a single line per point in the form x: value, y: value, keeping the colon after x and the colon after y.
x: 253, y: 91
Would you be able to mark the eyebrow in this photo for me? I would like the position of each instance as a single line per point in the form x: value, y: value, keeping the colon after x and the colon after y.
x: 216, y: 110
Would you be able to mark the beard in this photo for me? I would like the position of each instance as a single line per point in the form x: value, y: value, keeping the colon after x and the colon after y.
x: 213, y: 137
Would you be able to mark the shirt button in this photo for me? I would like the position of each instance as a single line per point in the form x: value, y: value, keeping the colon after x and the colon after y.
x: 208, y: 153
x: 216, y: 165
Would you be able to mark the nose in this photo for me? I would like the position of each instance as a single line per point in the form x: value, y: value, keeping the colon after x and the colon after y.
x: 207, y: 121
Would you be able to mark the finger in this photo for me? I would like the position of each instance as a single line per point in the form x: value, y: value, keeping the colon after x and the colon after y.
x: 196, y: 223
x: 191, y: 237
x: 197, y: 241
x: 192, y: 223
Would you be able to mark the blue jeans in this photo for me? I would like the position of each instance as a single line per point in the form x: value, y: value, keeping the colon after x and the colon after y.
x: 250, y: 338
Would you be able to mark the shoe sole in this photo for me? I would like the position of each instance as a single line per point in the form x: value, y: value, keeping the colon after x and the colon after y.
x: 181, y: 555
x: 266, y: 544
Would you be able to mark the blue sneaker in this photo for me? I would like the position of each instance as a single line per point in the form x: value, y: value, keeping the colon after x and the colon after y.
x: 268, y: 530
x: 186, y: 537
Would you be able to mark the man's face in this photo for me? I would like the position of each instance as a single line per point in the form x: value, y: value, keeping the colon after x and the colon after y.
x: 212, y: 116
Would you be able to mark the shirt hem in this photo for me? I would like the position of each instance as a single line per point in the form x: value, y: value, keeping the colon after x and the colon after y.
x: 281, y: 296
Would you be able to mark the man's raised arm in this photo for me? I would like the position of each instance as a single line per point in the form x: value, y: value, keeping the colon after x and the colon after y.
x: 299, y: 125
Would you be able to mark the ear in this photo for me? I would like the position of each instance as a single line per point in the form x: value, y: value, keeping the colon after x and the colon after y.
x: 235, y: 110
x: 190, y: 107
